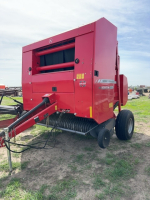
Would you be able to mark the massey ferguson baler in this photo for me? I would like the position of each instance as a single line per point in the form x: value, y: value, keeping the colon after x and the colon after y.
x: 71, y: 81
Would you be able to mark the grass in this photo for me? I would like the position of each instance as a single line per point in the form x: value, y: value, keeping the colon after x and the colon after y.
x: 15, y: 165
x: 64, y: 189
x: 147, y: 170
x: 121, y: 168
x: 88, y: 167
x: 79, y: 159
x: 72, y: 167
x: 8, y: 102
x: 137, y: 145
x: 6, y: 116
x: 36, y: 129
x: 16, y: 155
x: 140, y: 107
x: 109, y: 159
x: 43, y: 131
x: 112, y: 191
x: 98, y: 181
x: 147, y: 144
x: 88, y: 149
x: 15, y: 191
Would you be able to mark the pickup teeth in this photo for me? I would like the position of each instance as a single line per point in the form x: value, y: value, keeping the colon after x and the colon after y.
x: 71, y: 122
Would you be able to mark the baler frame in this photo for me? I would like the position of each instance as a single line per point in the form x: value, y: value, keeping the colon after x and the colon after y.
x: 77, y: 84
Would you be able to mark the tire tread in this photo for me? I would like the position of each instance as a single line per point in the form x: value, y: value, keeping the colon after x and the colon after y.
x: 122, y: 124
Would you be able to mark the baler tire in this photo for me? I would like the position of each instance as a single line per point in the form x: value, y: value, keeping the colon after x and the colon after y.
x: 103, y: 138
x: 125, y: 125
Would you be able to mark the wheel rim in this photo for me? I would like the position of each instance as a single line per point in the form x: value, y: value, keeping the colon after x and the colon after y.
x: 130, y: 126
x: 106, y: 139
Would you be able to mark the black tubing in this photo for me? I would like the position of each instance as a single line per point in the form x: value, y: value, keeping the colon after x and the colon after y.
x: 10, y: 127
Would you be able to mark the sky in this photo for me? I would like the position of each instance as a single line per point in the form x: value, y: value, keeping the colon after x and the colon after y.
x: 27, y: 21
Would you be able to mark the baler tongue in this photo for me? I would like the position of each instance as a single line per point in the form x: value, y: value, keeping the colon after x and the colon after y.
x: 46, y: 108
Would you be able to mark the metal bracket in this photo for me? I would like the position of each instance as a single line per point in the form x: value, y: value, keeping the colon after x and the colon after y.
x: 8, y: 151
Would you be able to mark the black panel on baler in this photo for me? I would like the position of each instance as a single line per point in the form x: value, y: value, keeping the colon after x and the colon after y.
x: 57, y: 57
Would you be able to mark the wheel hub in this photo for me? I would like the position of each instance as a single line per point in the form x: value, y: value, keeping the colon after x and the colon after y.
x: 130, y: 126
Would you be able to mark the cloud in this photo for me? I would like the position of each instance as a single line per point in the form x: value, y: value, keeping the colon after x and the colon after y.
x: 24, y: 22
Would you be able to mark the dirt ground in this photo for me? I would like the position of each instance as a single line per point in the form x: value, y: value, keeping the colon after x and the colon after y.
x: 79, y: 158
x: 50, y: 165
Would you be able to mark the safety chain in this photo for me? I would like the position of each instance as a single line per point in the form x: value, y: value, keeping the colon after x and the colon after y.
x: 55, y: 125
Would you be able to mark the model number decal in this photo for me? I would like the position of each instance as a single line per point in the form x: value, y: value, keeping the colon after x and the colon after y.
x: 106, y: 87
x: 105, y: 81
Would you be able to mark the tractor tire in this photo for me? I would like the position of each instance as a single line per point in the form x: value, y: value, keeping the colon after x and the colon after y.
x: 103, y: 138
x: 125, y: 125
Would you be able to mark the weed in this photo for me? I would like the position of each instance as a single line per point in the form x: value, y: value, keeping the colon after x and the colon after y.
x: 147, y: 144
x: 92, y: 156
x: 100, y: 196
x: 52, y: 197
x: 72, y: 167
x: 4, y: 177
x: 114, y: 192
x: 16, y: 155
x: 87, y: 167
x: 136, y: 161
x: 43, y: 188
x: 24, y: 164
x: 136, y: 145
x: 69, y: 194
x: 79, y: 159
x: 63, y: 185
x: 109, y: 159
x: 98, y: 182
x: 147, y: 170
x: 88, y: 149
x: 33, y: 172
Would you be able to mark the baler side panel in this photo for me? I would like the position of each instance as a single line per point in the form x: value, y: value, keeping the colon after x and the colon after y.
x: 83, y: 75
x: 26, y: 79
x: 64, y: 101
x: 63, y: 81
x: 104, y: 63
